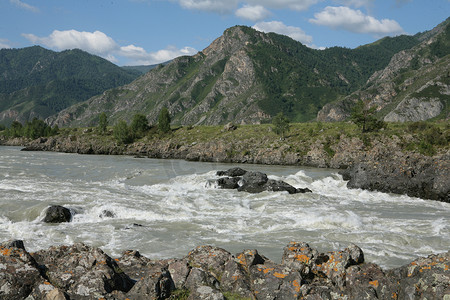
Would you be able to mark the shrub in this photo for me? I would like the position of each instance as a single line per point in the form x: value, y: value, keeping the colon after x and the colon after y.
x: 364, y: 117
x: 122, y: 133
x: 164, y: 120
x: 102, y: 123
x: 139, y: 125
x: 280, y: 124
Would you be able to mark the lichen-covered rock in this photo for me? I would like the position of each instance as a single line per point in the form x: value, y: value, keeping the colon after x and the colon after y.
x: 425, y: 278
x: 209, y: 258
x: 207, y: 272
x: 82, y: 271
x: 205, y: 293
x: 19, y: 272
x: 155, y: 285
x: 57, y: 214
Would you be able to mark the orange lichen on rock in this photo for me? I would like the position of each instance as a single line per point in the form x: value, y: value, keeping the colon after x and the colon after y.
x: 296, y: 285
x: 279, y: 275
x: 302, y: 257
x: 374, y: 283
x: 5, y: 251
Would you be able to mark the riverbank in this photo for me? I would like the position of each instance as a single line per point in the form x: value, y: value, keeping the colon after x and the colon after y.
x: 82, y: 272
x: 404, y: 159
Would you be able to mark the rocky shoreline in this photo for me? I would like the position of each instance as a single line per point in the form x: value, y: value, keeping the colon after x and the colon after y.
x: 383, y: 166
x: 80, y: 271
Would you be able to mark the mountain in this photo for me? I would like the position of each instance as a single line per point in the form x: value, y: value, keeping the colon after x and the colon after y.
x: 244, y: 76
x: 36, y: 82
x: 414, y: 86
x: 142, y: 69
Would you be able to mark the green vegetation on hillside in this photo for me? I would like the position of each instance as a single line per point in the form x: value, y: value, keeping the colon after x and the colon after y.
x: 37, y: 81
x: 299, y: 81
x: 32, y: 130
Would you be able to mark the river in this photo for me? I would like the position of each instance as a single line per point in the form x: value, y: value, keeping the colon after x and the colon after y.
x: 165, y: 208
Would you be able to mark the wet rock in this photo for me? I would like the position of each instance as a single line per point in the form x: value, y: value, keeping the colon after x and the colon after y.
x: 412, y: 175
x: 228, y: 182
x: 57, y: 214
x: 82, y: 271
x: 233, y: 172
x: 254, y: 182
x: 107, y: 214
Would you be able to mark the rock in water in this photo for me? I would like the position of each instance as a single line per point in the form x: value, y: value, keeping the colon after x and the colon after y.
x: 254, y: 182
x: 57, y: 214
x: 233, y: 172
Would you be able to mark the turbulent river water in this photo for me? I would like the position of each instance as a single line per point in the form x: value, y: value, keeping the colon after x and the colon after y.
x: 165, y: 208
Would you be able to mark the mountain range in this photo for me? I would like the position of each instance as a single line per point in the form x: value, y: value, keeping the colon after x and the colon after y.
x: 36, y: 82
x: 246, y: 76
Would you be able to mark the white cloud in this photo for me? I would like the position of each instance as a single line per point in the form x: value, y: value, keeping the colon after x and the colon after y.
x: 252, y: 13
x: 93, y: 42
x: 140, y: 57
x: 218, y: 6
x: 278, y: 27
x: 355, y: 3
x: 24, y: 5
x: 299, y: 5
x: 102, y: 45
x: 228, y: 6
x: 4, y: 44
x: 355, y: 21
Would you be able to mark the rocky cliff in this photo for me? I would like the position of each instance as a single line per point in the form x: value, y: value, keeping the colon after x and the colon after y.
x: 415, y: 86
x: 82, y: 272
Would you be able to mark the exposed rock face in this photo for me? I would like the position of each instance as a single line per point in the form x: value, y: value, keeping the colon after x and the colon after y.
x: 254, y: 182
x: 57, y: 214
x: 413, y: 87
x: 207, y: 272
x: 424, y: 178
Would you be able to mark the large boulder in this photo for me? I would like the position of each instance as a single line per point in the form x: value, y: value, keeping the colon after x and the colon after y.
x: 57, y: 214
x: 254, y: 182
x: 21, y: 277
x: 82, y: 271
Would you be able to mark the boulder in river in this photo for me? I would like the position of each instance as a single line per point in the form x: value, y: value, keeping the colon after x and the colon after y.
x: 254, y: 182
x: 57, y: 214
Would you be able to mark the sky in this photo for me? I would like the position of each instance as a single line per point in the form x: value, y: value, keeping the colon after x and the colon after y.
x: 145, y: 32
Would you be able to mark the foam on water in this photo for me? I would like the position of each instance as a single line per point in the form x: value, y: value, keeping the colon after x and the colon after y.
x: 165, y: 208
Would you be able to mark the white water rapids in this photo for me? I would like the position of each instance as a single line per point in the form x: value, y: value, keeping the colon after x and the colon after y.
x: 165, y: 208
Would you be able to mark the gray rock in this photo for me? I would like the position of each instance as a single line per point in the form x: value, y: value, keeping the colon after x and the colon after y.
x: 82, y: 271
x: 57, y: 214
x: 233, y: 172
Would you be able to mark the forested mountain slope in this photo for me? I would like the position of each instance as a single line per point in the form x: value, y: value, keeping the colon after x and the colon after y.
x: 245, y: 76
x: 36, y: 82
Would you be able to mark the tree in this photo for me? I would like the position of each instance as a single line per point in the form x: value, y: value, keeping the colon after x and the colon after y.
x: 16, y: 129
x: 280, y: 124
x: 122, y: 133
x: 164, y: 120
x: 364, y: 117
x: 102, y: 122
x: 139, y: 125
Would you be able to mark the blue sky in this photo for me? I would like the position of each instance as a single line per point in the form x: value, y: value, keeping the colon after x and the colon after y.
x: 134, y: 32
